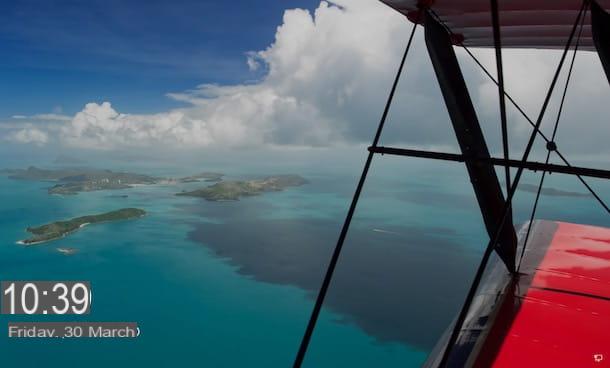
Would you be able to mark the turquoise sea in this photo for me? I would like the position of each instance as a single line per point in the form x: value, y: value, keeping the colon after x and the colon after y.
x: 230, y: 284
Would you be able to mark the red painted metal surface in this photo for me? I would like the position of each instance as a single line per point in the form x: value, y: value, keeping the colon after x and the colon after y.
x: 558, y: 314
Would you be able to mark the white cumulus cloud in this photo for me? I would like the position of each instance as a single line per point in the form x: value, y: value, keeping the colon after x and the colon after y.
x: 327, y: 75
x: 100, y: 126
x: 28, y: 135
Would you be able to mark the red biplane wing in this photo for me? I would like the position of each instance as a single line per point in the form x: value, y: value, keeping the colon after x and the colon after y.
x: 556, y: 311
x: 556, y: 314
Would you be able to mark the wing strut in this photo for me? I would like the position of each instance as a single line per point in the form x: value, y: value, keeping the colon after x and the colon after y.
x: 313, y: 319
x: 445, y: 360
x: 600, y: 27
x: 470, y: 138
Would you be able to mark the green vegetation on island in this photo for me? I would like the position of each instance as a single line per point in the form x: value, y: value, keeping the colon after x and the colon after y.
x: 59, y: 229
x: 72, y: 181
x: 100, y: 180
x: 233, y: 190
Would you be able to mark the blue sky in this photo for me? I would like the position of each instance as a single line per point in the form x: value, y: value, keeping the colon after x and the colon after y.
x: 59, y: 55
x: 120, y: 74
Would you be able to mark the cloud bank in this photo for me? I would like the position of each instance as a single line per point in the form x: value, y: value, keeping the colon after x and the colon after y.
x: 327, y: 77
x: 29, y: 135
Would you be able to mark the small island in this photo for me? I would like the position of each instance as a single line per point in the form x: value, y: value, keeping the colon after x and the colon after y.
x: 233, y: 190
x: 59, y: 229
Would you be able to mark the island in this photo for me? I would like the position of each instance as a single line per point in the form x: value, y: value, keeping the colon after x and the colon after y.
x: 205, y: 176
x: 59, y: 229
x: 234, y: 190
x: 71, y: 181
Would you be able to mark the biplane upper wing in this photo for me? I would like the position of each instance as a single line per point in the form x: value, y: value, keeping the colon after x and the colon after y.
x: 525, y: 23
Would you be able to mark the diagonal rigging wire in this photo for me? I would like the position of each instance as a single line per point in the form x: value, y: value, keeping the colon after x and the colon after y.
x: 337, y: 251
x: 551, y: 145
x: 495, y: 18
x: 542, y: 135
x: 500, y: 225
x: 524, y: 114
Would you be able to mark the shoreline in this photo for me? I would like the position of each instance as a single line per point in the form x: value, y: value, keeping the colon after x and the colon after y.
x: 23, y: 241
